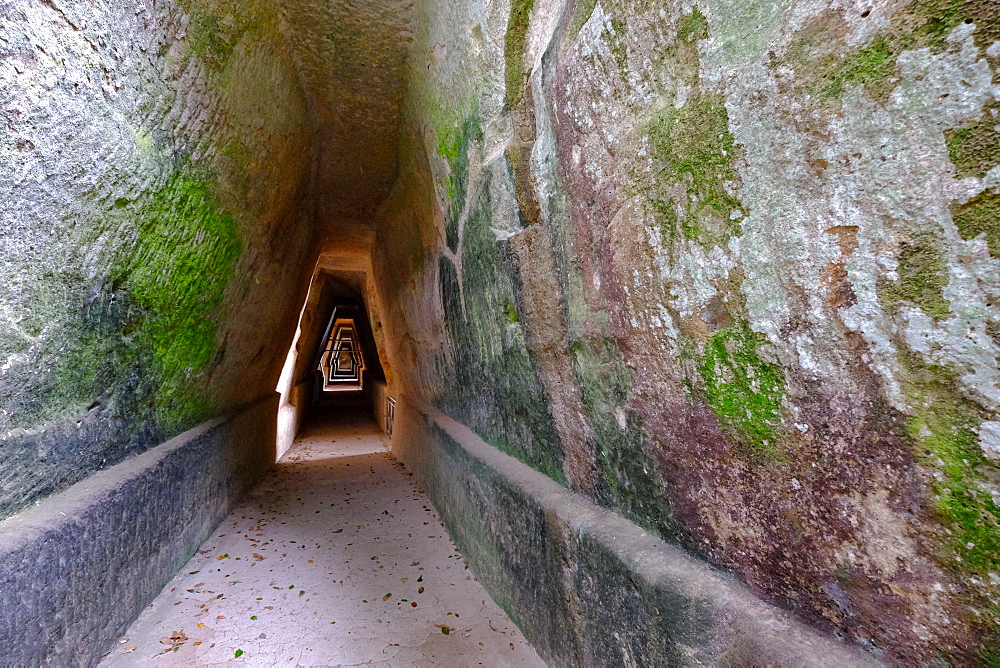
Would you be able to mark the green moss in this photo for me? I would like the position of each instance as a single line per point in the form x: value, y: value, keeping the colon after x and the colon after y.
x: 492, y: 381
x: 825, y: 71
x: 176, y: 272
x: 613, y: 36
x: 872, y: 67
x: 214, y: 35
x: 742, y: 389
x: 922, y: 278
x: 581, y: 14
x: 975, y: 150
x: 943, y: 427
x: 692, y: 27
x: 514, y: 45
x: 454, y: 144
x: 511, y: 312
x: 693, y: 146
x: 209, y: 41
x: 137, y: 340
x: 980, y: 215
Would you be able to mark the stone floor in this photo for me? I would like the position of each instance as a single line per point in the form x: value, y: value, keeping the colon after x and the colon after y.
x: 335, y: 559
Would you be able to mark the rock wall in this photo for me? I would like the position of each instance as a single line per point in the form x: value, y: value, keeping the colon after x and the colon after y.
x: 728, y: 269
x: 78, y: 568
x: 154, y: 161
x: 588, y: 587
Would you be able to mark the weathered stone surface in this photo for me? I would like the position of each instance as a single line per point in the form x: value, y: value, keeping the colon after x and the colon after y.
x: 76, y: 569
x: 727, y: 268
x: 150, y: 228
x: 587, y: 586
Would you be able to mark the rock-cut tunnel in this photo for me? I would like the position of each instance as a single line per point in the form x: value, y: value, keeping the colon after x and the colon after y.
x: 582, y: 332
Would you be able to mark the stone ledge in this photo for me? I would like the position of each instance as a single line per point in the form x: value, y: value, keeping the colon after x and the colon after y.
x: 79, y: 567
x: 626, y: 597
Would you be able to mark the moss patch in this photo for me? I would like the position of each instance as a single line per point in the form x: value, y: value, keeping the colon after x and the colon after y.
x: 213, y: 34
x: 873, y: 67
x: 742, y: 389
x: 692, y: 27
x: 454, y: 144
x: 975, y: 150
x: 943, y: 429
x: 493, y: 384
x: 511, y: 312
x: 980, y: 215
x: 176, y: 272
x: 825, y: 71
x: 922, y: 278
x: 514, y: 45
x: 694, y: 148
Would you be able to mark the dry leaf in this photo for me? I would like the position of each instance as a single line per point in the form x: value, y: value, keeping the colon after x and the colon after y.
x: 129, y: 650
x: 258, y: 557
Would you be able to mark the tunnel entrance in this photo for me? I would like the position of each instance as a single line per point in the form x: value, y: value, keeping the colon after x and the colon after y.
x: 342, y: 362
x: 334, y: 362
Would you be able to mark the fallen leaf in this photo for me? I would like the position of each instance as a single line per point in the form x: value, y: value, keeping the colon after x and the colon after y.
x: 129, y: 650
x: 239, y: 653
x: 201, y: 625
x: 420, y: 591
x: 387, y: 597
x: 258, y: 557
x: 415, y: 563
x: 200, y: 584
x: 175, y: 640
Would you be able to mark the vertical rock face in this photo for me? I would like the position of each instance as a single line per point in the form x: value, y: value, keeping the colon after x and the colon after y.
x: 154, y: 160
x: 728, y: 268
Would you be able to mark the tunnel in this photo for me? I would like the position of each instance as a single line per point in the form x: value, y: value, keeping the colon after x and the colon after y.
x: 501, y: 332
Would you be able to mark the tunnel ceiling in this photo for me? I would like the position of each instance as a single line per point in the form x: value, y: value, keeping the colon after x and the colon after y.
x: 351, y: 60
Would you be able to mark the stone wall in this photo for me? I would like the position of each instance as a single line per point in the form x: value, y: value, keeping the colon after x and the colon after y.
x: 588, y: 587
x: 78, y: 568
x: 154, y: 158
x: 727, y: 268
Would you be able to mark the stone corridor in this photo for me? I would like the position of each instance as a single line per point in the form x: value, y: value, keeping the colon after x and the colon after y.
x: 681, y: 316
x: 335, y: 559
